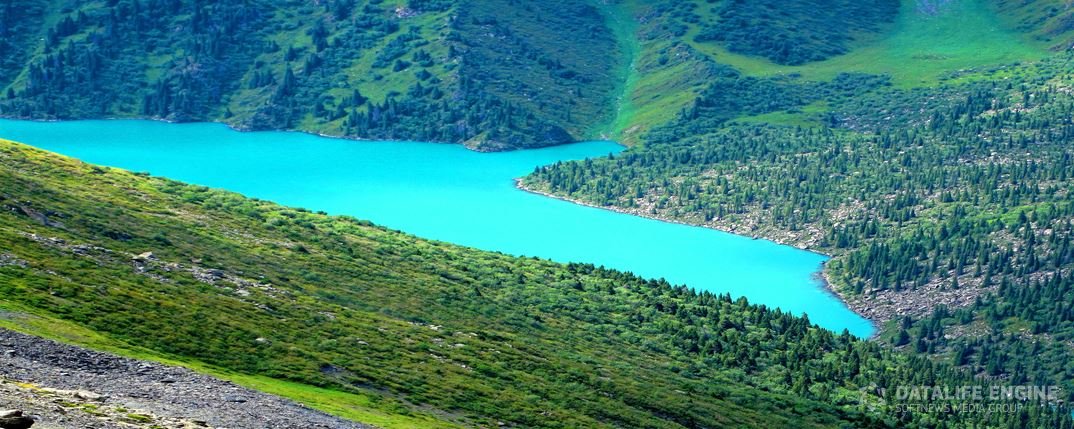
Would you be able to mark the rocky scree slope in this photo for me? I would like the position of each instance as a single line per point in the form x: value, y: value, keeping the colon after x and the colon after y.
x: 63, y: 386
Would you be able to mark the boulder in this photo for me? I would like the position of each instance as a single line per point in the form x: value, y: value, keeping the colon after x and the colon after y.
x: 89, y: 396
x: 144, y: 257
x: 13, y: 419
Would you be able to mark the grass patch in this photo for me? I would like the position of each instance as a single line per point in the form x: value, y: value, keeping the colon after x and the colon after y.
x: 624, y: 28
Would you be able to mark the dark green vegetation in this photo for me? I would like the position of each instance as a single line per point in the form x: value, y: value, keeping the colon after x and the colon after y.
x: 493, y: 74
x: 486, y: 73
x: 790, y: 32
x: 919, y: 43
x: 1047, y: 20
x: 18, y: 22
x: 469, y: 337
x: 946, y: 206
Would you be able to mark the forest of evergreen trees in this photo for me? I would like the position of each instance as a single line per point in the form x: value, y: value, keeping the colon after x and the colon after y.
x: 784, y: 32
x: 966, y: 195
x: 426, y: 70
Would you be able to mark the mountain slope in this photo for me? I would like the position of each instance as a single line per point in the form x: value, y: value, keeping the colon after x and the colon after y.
x: 464, y: 336
x: 486, y: 73
x: 790, y: 33
x: 491, y: 74
x: 1050, y: 21
x: 945, y: 205
x: 683, y: 46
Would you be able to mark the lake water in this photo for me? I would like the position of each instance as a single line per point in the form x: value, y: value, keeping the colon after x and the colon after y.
x: 446, y: 192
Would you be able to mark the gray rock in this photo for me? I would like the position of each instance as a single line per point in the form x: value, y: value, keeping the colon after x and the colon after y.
x: 165, y: 391
x: 89, y: 396
x: 13, y: 419
x: 147, y: 256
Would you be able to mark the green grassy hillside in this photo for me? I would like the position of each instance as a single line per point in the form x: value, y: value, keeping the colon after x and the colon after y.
x: 686, y: 45
x: 922, y: 43
x: 1048, y: 21
x: 371, y: 323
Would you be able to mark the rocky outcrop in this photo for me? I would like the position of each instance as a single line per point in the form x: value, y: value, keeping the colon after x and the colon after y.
x: 13, y: 419
x: 62, y: 386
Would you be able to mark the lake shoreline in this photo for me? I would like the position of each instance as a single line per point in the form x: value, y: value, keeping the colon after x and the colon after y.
x: 398, y: 184
x: 854, y: 304
x: 244, y: 129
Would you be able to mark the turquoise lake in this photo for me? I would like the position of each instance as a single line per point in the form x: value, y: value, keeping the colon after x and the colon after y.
x: 446, y: 192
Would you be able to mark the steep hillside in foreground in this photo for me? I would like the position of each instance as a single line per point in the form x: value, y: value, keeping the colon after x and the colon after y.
x: 494, y: 74
x: 410, y: 332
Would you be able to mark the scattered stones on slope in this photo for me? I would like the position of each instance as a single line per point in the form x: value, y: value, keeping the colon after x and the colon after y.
x: 47, y: 408
x: 148, y: 264
x: 62, y: 386
x: 9, y: 260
